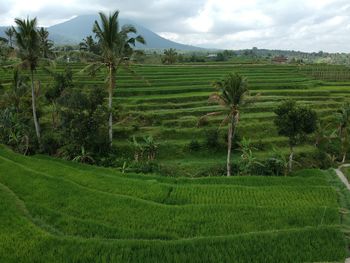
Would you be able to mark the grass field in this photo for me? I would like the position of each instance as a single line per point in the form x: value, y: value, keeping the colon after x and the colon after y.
x: 169, y: 106
x: 57, y: 211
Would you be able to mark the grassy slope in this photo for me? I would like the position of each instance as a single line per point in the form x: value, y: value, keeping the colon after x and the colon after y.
x: 52, y: 210
x: 169, y: 108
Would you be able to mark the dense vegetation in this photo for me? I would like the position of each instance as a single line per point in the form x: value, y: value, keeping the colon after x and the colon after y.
x: 169, y: 106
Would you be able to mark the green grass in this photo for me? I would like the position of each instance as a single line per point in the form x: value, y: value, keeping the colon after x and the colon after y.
x: 57, y: 211
x: 177, y: 96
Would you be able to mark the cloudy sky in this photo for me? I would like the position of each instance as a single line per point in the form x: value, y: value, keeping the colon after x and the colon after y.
x: 307, y: 25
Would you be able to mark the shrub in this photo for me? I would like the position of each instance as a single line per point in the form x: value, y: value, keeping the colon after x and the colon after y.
x: 51, y: 142
x: 324, y: 160
x: 273, y: 166
x: 218, y: 170
x: 194, y: 146
x: 144, y: 167
x: 212, y: 139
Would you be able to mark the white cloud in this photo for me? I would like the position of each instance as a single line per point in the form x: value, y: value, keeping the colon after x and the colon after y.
x: 309, y: 25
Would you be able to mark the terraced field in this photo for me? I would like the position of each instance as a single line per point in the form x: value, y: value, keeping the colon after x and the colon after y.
x: 58, y: 211
x: 168, y: 103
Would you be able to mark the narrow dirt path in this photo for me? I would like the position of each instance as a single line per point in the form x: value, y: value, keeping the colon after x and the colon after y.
x: 345, y: 181
x: 342, y: 176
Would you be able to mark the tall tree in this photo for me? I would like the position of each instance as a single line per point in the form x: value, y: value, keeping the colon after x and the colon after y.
x: 45, y: 44
x: 5, y: 50
x: 116, y: 47
x: 294, y: 122
x: 28, y: 44
x: 231, y: 93
x: 89, y: 45
x: 170, y: 56
x: 10, y: 33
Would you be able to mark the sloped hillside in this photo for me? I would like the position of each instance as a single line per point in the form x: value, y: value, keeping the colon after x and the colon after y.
x: 52, y: 210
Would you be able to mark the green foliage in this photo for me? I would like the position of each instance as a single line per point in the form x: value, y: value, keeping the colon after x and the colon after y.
x: 28, y: 42
x: 61, y: 81
x: 4, y: 51
x: 212, y: 139
x: 10, y: 33
x: 170, y: 56
x: 46, y: 45
x: 343, y: 120
x: 152, y: 219
x: 248, y: 160
x: 115, y: 41
x: 15, y: 116
x: 89, y: 45
x: 83, y: 121
x: 295, y: 121
x: 147, y: 149
x: 84, y: 157
x: 194, y: 146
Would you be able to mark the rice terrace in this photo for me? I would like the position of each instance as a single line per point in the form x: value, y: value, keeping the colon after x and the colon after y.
x: 120, y: 145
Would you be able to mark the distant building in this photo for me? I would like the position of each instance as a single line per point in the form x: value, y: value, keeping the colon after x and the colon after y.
x: 280, y: 59
x: 212, y: 56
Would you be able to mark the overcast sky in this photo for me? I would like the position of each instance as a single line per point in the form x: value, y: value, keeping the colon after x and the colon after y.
x: 307, y: 25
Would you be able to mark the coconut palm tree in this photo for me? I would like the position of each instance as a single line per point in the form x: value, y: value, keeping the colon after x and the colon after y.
x: 89, y: 45
x: 230, y: 95
x: 170, y: 56
x: 45, y: 44
x: 10, y: 33
x: 116, y: 47
x: 28, y: 44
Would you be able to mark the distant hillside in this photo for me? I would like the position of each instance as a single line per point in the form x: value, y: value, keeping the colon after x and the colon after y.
x: 74, y: 30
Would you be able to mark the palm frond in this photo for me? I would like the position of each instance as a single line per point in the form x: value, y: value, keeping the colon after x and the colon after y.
x: 127, y: 29
x: 207, y: 115
x: 92, y: 68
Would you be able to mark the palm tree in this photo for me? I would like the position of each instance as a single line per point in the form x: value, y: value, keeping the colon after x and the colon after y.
x: 45, y: 43
x: 89, y: 45
x: 170, y: 56
x: 28, y: 44
x: 230, y: 95
x: 116, y: 47
x: 9, y: 33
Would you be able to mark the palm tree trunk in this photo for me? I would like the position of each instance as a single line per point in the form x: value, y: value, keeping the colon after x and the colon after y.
x: 290, y: 163
x: 110, y: 97
x: 229, y: 147
x: 36, y: 122
x: 344, y: 142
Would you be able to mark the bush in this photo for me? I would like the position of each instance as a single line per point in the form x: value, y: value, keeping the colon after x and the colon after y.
x: 259, y: 145
x: 219, y: 170
x: 144, y: 167
x: 273, y: 166
x: 51, y: 142
x: 212, y: 139
x: 324, y: 159
x: 194, y: 146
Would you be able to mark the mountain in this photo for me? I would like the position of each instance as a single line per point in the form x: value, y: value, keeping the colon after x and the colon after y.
x: 74, y: 30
